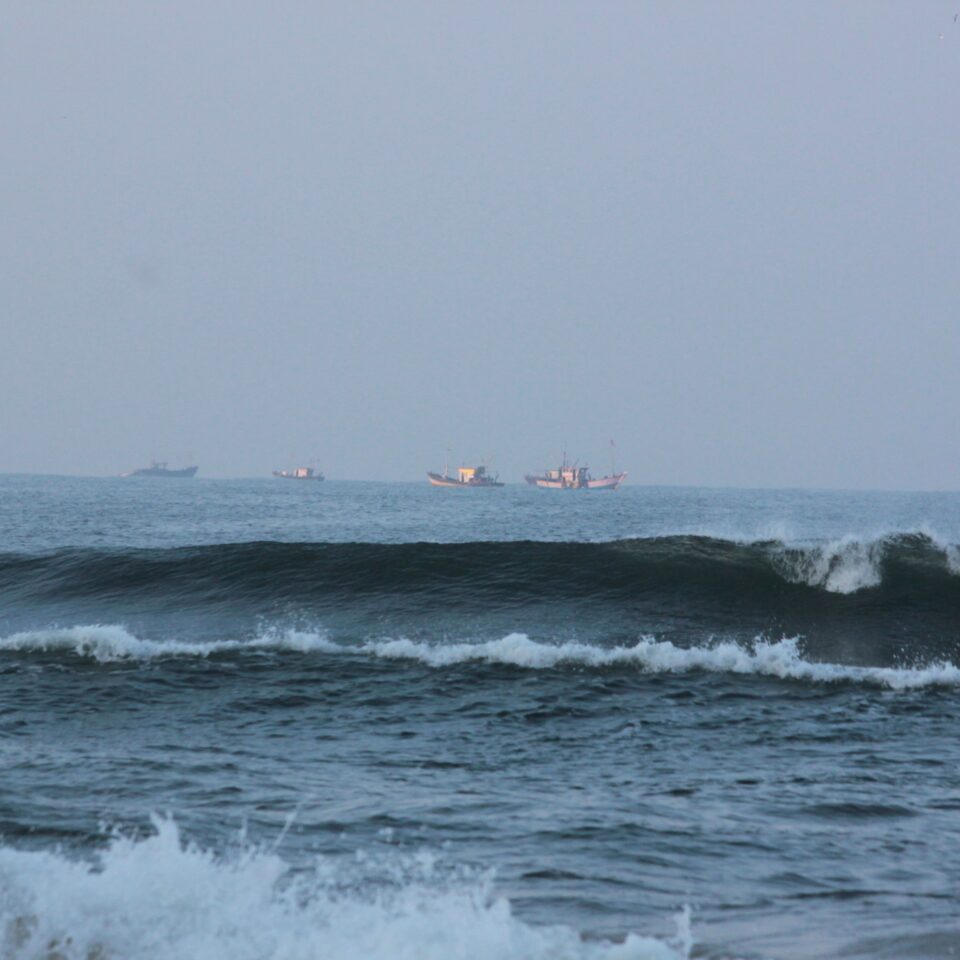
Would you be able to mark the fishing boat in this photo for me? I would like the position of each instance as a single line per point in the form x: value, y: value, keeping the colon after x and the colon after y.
x: 299, y: 473
x: 158, y: 468
x: 572, y: 477
x: 466, y: 477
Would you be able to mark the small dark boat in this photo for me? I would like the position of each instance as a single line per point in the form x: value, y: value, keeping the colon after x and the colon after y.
x: 158, y: 468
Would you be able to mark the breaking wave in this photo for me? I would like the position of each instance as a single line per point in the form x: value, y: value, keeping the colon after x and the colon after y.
x: 160, y: 898
x: 843, y: 566
x: 782, y: 659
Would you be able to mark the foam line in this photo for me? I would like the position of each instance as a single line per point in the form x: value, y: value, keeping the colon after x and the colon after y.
x: 108, y: 643
x: 781, y: 659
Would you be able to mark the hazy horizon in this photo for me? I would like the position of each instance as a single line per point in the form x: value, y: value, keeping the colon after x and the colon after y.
x: 723, y: 236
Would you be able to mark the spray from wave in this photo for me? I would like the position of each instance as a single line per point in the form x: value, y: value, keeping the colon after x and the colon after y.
x: 782, y: 659
x: 843, y: 566
x: 159, y: 898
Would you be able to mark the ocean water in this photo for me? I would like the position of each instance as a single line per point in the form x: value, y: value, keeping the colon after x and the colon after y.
x: 266, y: 719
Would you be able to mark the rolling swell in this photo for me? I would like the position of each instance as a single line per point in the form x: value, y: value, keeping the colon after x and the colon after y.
x: 894, y: 596
x: 892, y: 568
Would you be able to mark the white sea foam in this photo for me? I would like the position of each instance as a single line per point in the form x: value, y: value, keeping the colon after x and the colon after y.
x: 159, y: 898
x: 774, y: 659
x: 782, y: 658
x: 109, y: 643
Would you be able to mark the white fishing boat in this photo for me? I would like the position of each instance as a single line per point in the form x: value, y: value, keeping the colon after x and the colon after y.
x: 570, y: 476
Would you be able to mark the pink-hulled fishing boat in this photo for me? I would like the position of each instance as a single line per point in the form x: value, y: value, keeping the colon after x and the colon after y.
x: 572, y: 477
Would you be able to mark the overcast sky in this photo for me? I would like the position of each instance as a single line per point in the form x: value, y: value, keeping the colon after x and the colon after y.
x: 726, y: 235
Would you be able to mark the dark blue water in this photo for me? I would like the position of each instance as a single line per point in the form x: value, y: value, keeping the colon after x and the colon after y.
x: 263, y: 719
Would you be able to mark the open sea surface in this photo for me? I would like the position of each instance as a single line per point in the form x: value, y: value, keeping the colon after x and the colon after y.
x: 265, y: 719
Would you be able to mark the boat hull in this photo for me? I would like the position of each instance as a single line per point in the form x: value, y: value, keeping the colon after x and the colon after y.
x: 544, y: 484
x: 606, y: 483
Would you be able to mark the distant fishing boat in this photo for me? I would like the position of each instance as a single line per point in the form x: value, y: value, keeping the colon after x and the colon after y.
x: 466, y: 477
x: 300, y: 473
x: 571, y: 477
x: 158, y: 468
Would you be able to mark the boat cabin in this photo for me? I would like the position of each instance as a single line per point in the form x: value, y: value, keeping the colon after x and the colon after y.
x: 471, y: 474
x: 568, y: 476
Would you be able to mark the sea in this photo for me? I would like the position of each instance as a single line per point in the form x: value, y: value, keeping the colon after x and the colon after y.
x: 279, y: 720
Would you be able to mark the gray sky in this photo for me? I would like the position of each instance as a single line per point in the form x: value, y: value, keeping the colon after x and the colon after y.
x: 726, y: 235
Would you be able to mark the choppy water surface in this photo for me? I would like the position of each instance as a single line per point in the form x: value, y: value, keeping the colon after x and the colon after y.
x: 254, y: 719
